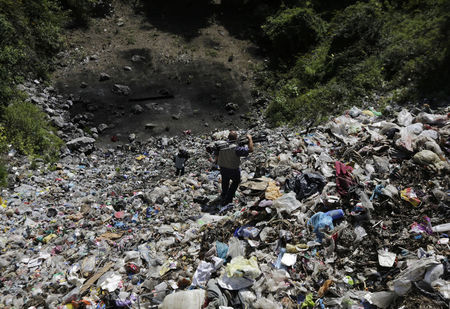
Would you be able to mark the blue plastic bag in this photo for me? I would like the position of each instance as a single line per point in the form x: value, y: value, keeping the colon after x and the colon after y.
x: 321, y: 221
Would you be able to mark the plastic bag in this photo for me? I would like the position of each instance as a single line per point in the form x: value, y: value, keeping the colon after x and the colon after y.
x: 360, y: 233
x: 432, y: 119
x: 321, y: 222
x: 381, y: 164
x: 406, y: 139
x: 404, y: 118
x: 427, y: 157
x: 430, y: 134
x: 88, y: 265
x: 305, y: 185
x: 380, y: 299
x: 415, y: 128
x: 240, y: 267
x: 192, y: 299
x: 203, y: 273
x: 272, y: 191
x: 236, y: 247
x: 354, y: 112
x: 287, y: 202
x: 410, y: 196
x: 386, y: 258
x: 222, y: 250
x: 264, y: 303
x: 414, y: 272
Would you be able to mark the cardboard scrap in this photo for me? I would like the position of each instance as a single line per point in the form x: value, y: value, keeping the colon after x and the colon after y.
x: 95, y: 277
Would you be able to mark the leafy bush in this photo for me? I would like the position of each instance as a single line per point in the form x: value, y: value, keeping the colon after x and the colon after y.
x: 81, y: 11
x: 294, y: 30
x: 397, y: 51
x: 28, y: 130
x: 417, y: 48
x: 29, y: 37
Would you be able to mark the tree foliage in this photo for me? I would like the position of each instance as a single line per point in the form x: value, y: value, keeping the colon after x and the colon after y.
x: 30, y: 36
x: 373, y: 52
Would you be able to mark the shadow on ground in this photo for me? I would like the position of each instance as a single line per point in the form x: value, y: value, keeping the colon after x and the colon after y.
x: 182, y: 17
x: 174, y: 98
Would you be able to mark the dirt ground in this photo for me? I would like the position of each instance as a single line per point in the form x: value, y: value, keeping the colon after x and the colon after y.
x: 197, y: 57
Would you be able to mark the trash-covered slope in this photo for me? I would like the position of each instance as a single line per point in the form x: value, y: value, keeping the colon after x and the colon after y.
x: 351, y: 214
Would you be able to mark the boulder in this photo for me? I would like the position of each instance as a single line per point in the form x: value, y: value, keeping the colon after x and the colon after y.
x: 80, y: 142
x: 104, y: 76
x: 121, y: 89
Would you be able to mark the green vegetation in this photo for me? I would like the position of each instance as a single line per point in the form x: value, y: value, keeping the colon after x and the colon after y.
x: 373, y: 51
x: 3, y: 175
x: 81, y: 11
x: 29, y: 131
x: 30, y: 36
x: 294, y: 30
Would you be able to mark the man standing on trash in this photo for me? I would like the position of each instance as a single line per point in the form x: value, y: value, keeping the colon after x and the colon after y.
x: 228, y: 159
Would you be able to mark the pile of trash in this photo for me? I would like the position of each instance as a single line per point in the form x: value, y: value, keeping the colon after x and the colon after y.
x: 351, y: 214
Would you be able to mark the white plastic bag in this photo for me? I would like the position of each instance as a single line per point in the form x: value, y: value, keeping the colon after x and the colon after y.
x: 404, y: 118
x: 192, y: 299
x: 236, y: 247
x: 288, y: 203
x: 380, y: 299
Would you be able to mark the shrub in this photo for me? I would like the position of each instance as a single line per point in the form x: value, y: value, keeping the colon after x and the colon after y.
x: 416, y: 48
x: 81, y: 11
x: 311, y: 67
x: 294, y: 30
x: 29, y: 37
x: 389, y: 51
x: 28, y: 130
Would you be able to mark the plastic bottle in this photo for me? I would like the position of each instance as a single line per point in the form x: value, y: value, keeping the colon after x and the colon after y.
x: 441, y: 228
x: 248, y: 232
x: 277, y: 264
x: 335, y: 214
x: 135, y: 218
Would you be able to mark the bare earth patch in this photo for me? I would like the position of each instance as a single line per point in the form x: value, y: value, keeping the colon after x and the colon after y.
x: 201, y: 70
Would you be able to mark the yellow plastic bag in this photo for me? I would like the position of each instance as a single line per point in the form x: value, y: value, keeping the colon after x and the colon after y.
x: 240, y: 267
x: 49, y: 238
x: 3, y: 202
x: 410, y: 196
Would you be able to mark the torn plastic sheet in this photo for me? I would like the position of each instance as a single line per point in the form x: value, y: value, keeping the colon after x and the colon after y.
x: 380, y: 299
x: 414, y: 272
x: 235, y: 283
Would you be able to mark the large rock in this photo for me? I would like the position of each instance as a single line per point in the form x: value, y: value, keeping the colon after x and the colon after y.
x: 80, y: 142
x: 121, y: 89
x: 137, y: 58
x: 59, y: 122
x: 104, y: 76
x: 102, y: 127
x: 137, y: 109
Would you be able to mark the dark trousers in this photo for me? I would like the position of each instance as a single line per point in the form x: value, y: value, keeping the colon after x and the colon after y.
x: 228, y: 191
x: 179, y: 171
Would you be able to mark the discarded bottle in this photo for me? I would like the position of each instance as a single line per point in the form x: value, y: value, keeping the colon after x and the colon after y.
x: 441, y: 228
x: 335, y: 214
x: 248, y: 232
x: 277, y: 264
x: 135, y: 217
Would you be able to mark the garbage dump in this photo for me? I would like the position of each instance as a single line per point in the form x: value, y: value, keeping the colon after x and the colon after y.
x: 352, y: 214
